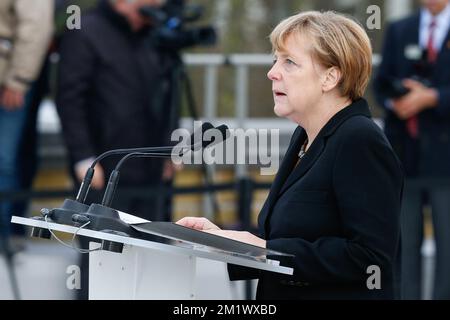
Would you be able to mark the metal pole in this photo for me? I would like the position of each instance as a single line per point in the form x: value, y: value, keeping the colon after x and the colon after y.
x: 241, y: 90
x: 7, y: 252
x: 210, y: 205
x: 245, y: 191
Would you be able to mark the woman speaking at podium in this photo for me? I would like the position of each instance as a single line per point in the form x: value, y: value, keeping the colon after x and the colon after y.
x: 335, y: 201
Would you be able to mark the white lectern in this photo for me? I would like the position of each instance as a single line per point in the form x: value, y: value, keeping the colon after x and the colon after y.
x: 164, y: 268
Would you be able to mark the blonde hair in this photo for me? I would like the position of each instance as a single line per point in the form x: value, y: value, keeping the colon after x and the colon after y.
x: 337, y: 41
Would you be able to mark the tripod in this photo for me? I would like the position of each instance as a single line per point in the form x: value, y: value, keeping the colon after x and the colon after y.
x: 6, y: 251
x: 180, y: 77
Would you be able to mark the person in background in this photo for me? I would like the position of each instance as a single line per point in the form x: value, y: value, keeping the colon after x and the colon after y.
x: 26, y: 28
x: 413, y: 87
x: 335, y: 201
x: 113, y: 92
x: 28, y: 160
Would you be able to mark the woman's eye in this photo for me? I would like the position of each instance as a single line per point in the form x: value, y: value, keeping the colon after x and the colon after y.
x: 274, y: 61
x: 289, y: 61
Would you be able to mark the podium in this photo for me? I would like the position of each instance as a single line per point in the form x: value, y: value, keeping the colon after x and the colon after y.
x: 158, y: 261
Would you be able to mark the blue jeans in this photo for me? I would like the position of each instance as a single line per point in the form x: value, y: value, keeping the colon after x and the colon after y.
x: 12, y: 125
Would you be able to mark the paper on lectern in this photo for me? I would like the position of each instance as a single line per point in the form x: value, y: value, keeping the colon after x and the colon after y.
x: 130, y: 219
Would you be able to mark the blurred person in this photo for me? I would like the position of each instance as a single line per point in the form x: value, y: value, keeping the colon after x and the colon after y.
x: 335, y: 201
x: 25, y: 31
x: 28, y: 160
x: 114, y: 91
x: 416, y: 54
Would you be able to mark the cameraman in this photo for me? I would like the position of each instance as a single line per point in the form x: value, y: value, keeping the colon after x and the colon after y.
x: 413, y: 86
x: 114, y: 92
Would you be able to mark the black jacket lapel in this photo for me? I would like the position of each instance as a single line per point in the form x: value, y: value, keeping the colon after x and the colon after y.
x: 283, y: 172
x: 358, y: 107
x: 305, y: 163
x: 287, y: 164
x: 286, y: 176
x: 444, y: 53
x: 413, y: 35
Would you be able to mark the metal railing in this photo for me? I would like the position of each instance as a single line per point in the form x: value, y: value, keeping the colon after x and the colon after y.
x: 48, y: 121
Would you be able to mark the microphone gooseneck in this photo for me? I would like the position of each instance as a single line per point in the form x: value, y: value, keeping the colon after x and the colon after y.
x: 114, y: 177
x: 86, y: 183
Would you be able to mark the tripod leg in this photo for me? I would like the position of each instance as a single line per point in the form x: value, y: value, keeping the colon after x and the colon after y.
x: 12, y: 276
x: 6, y: 251
x: 193, y: 111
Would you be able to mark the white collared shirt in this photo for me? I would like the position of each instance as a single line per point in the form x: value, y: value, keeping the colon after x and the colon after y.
x: 441, y: 30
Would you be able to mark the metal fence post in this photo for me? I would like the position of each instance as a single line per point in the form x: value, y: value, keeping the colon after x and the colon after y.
x: 245, y: 189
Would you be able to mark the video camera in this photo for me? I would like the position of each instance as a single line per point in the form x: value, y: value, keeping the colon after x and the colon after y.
x: 170, y: 33
x: 393, y: 88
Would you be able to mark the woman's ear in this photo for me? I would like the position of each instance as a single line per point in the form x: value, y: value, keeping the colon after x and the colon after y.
x: 331, y: 79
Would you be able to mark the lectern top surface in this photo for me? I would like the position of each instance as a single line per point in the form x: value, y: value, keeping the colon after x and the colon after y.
x: 177, y: 232
x: 153, y: 240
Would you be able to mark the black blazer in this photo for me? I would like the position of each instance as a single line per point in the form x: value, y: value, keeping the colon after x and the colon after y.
x: 419, y: 158
x: 337, y: 212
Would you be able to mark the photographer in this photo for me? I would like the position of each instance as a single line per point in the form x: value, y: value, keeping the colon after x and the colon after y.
x: 114, y: 91
x: 413, y: 86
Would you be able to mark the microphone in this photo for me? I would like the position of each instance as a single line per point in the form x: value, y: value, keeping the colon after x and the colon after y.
x: 102, y: 217
x: 86, y: 183
x: 115, y: 174
x: 225, y: 134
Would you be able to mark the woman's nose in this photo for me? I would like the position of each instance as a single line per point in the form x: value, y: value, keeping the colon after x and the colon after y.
x: 273, y: 74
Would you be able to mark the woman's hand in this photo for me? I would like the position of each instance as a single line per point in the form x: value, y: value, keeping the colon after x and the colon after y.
x: 242, y: 236
x: 197, y: 223
x: 204, y: 224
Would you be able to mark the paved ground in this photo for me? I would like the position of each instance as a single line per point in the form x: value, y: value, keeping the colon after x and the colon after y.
x: 41, y: 272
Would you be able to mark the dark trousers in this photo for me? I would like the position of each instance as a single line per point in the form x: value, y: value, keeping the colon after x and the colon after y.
x: 412, y: 238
